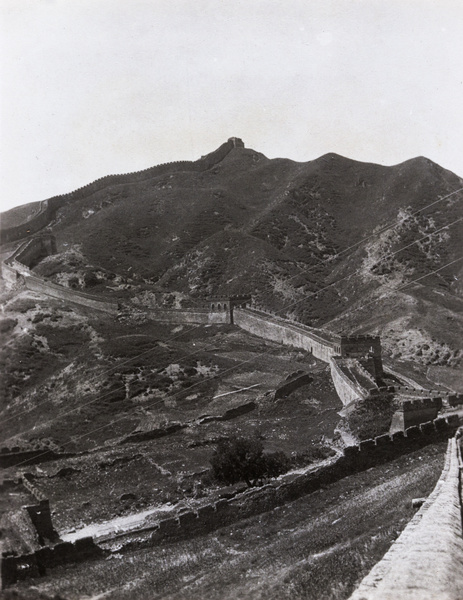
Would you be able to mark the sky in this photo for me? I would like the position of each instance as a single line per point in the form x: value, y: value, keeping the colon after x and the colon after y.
x: 97, y: 87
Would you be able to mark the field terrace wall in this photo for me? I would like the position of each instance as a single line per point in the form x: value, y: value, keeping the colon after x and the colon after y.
x: 293, y: 382
x: 425, y: 562
x: 11, y: 458
x: 48, y: 208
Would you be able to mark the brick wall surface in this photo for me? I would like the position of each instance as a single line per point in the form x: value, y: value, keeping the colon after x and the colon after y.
x: 425, y: 562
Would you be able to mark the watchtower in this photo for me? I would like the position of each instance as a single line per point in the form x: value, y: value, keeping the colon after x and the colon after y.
x: 237, y: 142
x: 228, y: 303
x: 367, y: 349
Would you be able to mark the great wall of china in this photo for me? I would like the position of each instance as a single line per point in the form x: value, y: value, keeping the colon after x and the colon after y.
x: 355, y: 364
x: 356, y: 369
x: 205, y: 517
x: 47, y: 208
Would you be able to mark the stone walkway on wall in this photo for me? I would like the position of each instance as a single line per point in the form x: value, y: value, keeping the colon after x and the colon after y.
x: 426, y: 561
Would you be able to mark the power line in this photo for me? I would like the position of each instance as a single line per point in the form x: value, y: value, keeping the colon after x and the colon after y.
x: 384, y: 257
x: 114, y: 421
x: 404, y: 285
x: 118, y: 365
x: 375, y: 234
x: 102, y: 397
x: 282, y: 309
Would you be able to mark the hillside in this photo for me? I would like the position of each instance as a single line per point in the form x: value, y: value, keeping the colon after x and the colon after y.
x: 281, y: 231
x: 123, y: 410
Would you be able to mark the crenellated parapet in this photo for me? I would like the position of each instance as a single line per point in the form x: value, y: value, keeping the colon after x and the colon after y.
x: 415, y: 411
x: 425, y: 560
x: 48, y: 208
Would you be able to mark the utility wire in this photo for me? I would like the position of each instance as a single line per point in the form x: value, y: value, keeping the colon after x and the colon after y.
x: 102, y: 397
x: 375, y: 234
x: 282, y: 309
x: 114, y: 421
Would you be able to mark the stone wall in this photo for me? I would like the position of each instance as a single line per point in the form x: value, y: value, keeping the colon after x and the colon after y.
x: 345, y: 387
x: 425, y: 562
x: 208, y: 517
x: 27, y: 482
x: 19, y: 264
x: 278, y: 330
x: 351, y: 384
x: 172, y: 428
x: 49, y: 207
x: 10, y: 274
x: 36, y: 284
x: 205, y: 518
x: 414, y: 412
x: 358, y: 346
x: 30, y: 252
x: 15, y: 568
x: 450, y: 399
x: 292, y: 383
x: 10, y: 458
x: 201, y: 316
x: 36, y: 222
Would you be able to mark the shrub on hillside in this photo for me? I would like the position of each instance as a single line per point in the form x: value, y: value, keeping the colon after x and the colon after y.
x: 242, y: 459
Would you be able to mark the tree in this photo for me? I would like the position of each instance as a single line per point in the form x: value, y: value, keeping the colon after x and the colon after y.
x: 242, y: 459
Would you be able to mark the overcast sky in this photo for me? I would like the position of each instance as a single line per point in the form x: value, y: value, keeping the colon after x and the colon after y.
x: 94, y: 87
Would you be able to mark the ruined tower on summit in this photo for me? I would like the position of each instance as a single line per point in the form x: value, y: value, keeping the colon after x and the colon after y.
x: 237, y: 142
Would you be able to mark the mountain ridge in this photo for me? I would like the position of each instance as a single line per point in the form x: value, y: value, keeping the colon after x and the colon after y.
x: 279, y: 229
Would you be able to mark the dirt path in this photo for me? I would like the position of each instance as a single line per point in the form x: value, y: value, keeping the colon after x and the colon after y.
x: 116, y: 525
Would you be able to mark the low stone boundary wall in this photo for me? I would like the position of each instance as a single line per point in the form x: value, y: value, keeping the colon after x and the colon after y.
x: 30, y: 457
x: 425, y: 562
x: 292, y: 383
x: 153, y: 434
